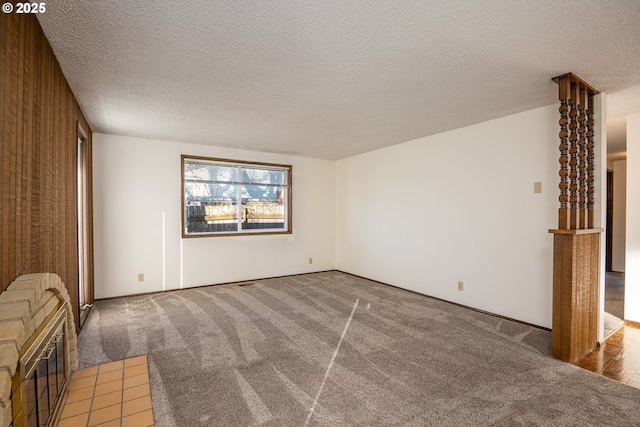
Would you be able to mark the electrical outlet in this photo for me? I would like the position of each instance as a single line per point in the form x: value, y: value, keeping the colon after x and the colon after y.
x: 460, y: 286
x: 310, y: 260
x: 140, y: 277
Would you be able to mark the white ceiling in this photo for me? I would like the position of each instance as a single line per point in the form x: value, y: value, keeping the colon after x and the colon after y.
x: 330, y: 79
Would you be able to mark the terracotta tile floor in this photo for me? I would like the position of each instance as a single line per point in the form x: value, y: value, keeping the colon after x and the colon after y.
x: 619, y: 359
x: 116, y: 394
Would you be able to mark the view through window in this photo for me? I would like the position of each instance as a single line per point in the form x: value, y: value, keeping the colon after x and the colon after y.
x: 229, y: 197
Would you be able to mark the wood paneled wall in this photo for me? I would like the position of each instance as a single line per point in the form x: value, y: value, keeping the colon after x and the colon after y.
x: 574, y: 332
x: 38, y: 182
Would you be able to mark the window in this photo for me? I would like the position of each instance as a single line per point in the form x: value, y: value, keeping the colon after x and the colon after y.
x: 228, y: 197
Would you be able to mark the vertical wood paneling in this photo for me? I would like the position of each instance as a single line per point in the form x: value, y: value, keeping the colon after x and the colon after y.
x: 574, y: 330
x: 3, y: 37
x: 38, y: 127
x: 9, y: 147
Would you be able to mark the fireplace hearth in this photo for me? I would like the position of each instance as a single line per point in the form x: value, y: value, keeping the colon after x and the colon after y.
x: 42, y: 373
x: 38, y: 350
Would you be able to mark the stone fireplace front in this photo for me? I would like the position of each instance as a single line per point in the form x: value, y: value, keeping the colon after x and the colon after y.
x: 38, y: 349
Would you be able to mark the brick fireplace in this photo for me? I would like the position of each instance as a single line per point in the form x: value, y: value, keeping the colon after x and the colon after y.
x: 34, y: 307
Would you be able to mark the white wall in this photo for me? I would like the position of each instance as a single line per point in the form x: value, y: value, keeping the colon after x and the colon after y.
x: 458, y: 206
x: 423, y: 215
x: 137, y: 224
x: 632, y: 265
x: 619, y: 215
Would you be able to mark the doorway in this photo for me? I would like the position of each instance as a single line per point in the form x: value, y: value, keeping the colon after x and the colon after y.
x: 614, y: 274
x: 84, y: 289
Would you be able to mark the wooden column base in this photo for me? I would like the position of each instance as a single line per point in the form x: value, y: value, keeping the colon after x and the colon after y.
x: 576, y: 255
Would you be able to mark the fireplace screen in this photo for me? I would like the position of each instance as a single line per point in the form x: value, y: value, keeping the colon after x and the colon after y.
x: 43, y: 375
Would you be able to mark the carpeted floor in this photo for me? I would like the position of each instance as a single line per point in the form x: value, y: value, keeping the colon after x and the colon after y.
x: 331, y: 349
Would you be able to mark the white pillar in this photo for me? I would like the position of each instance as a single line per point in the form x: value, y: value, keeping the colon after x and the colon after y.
x: 632, y: 263
x: 600, y: 207
x: 619, y: 232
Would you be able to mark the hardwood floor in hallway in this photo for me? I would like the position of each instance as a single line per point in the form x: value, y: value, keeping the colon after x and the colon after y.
x: 619, y: 358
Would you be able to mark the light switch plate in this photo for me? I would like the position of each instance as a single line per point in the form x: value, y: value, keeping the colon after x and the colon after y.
x: 537, y: 187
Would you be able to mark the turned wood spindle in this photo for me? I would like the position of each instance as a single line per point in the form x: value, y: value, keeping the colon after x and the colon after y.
x: 573, y: 157
x: 565, y: 85
x: 582, y: 159
x: 591, y: 161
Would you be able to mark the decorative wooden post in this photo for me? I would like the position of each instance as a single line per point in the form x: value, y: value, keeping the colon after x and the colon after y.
x: 576, y: 244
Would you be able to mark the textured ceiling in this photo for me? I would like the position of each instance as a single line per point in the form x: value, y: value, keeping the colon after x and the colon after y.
x: 330, y: 79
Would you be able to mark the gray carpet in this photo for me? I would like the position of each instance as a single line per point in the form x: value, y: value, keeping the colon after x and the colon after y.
x: 330, y: 349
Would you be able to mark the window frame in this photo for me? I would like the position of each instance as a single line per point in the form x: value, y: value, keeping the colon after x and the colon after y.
x: 288, y: 220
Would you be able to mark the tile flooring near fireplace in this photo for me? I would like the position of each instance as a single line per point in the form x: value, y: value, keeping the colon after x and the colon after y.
x: 115, y: 394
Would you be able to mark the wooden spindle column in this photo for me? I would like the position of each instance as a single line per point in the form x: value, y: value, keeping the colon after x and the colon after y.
x: 573, y: 161
x: 576, y: 244
x: 591, y: 164
x: 582, y: 159
x: 564, y: 160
